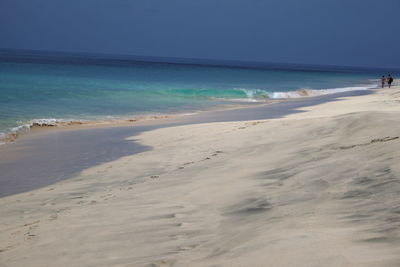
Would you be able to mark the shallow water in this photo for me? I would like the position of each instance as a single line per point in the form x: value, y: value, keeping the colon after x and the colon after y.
x: 58, y: 91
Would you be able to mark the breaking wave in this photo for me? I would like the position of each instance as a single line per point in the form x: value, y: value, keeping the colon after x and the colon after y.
x: 13, y: 133
x: 313, y: 92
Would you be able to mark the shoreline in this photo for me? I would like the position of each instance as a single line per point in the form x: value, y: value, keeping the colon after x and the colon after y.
x: 315, y: 187
x: 53, y: 154
x: 14, y: 133
x: 72, y: 124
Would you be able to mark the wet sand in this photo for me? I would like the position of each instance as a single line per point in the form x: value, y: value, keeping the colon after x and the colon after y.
x: 53, y: 155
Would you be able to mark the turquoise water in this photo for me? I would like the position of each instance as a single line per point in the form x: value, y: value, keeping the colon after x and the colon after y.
x: 38, y: 90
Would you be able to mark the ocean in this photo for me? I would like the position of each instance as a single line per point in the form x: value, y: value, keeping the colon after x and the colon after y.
x: 47, y: 92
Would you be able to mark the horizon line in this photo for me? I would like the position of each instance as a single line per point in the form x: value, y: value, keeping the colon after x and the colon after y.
x: 186, y: 61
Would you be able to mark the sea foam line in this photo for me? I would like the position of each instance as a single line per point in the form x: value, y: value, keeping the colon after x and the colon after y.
x: 15, y: 132
x: 260, y: 95
x: 318, y: 92
x: 25, y: 128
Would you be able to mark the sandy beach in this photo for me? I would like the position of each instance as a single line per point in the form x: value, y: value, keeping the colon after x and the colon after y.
x: 314, y: 188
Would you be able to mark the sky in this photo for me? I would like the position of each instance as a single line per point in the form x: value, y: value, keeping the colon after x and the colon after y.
x: 324, y: 32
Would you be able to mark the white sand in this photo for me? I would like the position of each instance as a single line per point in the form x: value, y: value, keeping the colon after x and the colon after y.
x: 318, y: 188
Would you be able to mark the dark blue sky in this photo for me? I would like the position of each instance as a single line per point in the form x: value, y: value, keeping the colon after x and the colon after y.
x: 328, y: 32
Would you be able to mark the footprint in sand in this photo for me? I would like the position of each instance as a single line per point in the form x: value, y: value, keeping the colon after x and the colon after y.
x: 32, y: 223
x: 373, y: 141
x: 185, y: 248
x: 6, y: 248
x: 215, y: 153
x: 32, y: 227
x: 107, y: 196
x: 257, y: 122
x: 53, y: 217
x: 162, y: 263
x: 45, y: 204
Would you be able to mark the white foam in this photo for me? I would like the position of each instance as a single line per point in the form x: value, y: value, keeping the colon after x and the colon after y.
x: 312, y: 92
x: 13, y: 133
x: 48, y: 122
x: 189, y: 114
x: 250, y: 93
x: 236, y: 99
x: 254, y: 93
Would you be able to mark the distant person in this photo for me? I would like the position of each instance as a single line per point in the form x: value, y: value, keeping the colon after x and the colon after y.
x: 383, y: 80
x: 389, y: 80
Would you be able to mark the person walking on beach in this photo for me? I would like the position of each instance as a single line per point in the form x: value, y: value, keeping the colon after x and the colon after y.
x: 383, y: 80
x: 389, y: 80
